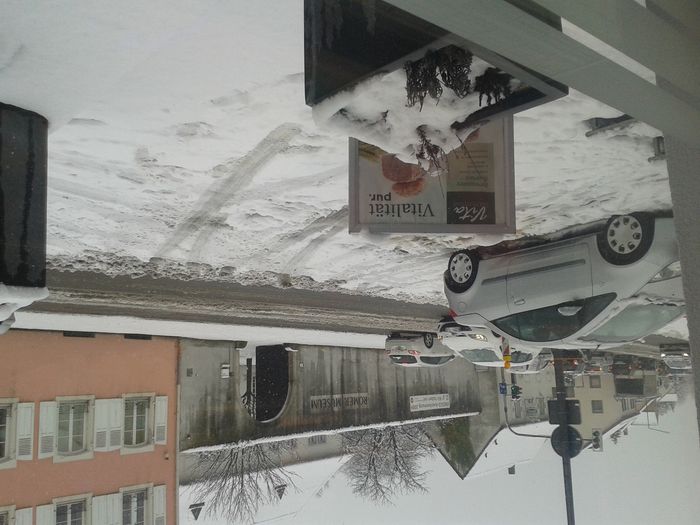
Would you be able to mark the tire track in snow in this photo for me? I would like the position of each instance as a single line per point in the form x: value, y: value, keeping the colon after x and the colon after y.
x: 234, y: 176
x: 326, y: 227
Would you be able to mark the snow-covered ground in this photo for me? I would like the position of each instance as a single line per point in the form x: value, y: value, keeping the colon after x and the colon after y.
x: 205, y: 152
x: 656, y: 468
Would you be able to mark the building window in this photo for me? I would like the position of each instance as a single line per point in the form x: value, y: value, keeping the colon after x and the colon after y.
x: 4, y: 518
x: 134, y: 507
x: 72, y: 427
x: 5, y: 411
x: 597, y: 406
x: 71, y: 513
x: 595, y: 381
x: 136, y: 417
x: 317, y: 440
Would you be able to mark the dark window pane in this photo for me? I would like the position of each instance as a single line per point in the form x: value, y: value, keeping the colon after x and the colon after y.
x: 547, y: 324
x: 61, y: 514
x: 436, y: 360
x: 403, y: 359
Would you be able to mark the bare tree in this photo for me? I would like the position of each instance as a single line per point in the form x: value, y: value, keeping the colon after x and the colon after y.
x: 385, y: 462
x: 236, y: 481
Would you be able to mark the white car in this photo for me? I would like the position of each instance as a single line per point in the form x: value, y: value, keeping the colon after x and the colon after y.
x: 417, y: 350
x: 608, y: 285
x: 481, y: 346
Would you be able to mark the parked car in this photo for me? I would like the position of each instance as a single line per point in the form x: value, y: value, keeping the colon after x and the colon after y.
x: 481, y: 346
x: 676, y: 356
x: 599, y: 363
x: 416, y: 349
x: 597, y: 289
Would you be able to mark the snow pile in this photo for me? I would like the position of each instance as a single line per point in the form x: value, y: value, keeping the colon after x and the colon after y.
x: 376, y: 111
x: 204, y: 156
x: 12, y: 298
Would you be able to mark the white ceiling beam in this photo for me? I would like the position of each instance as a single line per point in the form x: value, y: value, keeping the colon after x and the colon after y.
x: 638, y: 33
x: 507, y: 30
x: 683, y: 12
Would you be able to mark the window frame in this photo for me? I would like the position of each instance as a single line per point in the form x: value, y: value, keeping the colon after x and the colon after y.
x: 598, y: 379
x: 10, y: 458
x: 10, y: 510
x: 148, y: 488
x: 88, y: 428
x: 76, y: 498
x: 149, y: 445
x: 593, y: 406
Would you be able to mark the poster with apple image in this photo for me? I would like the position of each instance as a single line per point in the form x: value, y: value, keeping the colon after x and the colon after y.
x: 473, y: 194
x: 395, y: 192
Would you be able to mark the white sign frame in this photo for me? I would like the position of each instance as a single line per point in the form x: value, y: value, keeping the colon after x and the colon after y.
x: 504, y: 193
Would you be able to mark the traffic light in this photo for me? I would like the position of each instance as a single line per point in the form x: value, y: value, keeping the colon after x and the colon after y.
x: 597, y: 441
x: 515, y: 392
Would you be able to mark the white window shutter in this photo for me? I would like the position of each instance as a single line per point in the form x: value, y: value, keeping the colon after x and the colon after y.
x: 48, y: 413
x: 45, y: 515
x: 159, y: 505
x: 114, y: 509
x: 106, y: 510
x: 23, y: 516
x: 25, y: 432
x: 99, y: 503
x: 161, y: 419
x: 102, y: 408
x: 116, y: 420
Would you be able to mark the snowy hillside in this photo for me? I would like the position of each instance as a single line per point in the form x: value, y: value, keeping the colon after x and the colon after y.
x: 206, y: 153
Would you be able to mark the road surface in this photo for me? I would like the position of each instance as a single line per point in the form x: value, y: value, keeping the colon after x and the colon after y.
x: 94, y: 293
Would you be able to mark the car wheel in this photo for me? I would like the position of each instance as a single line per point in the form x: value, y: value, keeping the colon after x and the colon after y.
x: 626, y: 238
x: 461, y: 270
x: 428, y: 339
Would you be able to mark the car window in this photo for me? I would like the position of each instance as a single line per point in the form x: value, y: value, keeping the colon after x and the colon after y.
x: 481, y: 355
x: 430, y: 360
x: 520, y: 357
x: 635, y: 321
x: 548, y: 324
x: 403, y: 359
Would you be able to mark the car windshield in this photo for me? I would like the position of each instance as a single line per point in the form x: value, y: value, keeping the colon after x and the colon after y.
x: 549, y: 324
x: 430, y: 360
x: 635, y: 321
x: 481, y: 355
x: 403, y: 359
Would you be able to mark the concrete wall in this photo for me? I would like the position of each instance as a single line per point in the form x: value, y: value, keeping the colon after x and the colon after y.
x: 211, y: 411
x: 40, y: 366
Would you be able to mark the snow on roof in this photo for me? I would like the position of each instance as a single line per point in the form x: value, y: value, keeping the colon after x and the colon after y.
x: 669, y: 398
x: 297, y: 435
x: 507, y: 449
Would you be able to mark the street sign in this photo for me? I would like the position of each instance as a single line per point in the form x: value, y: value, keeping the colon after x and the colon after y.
x: 196, y: 509
x: 566, y: 441
x: 502, y: 388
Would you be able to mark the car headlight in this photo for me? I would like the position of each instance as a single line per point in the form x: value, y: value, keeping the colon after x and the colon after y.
x: 478, y: 337
x: 671, y: 271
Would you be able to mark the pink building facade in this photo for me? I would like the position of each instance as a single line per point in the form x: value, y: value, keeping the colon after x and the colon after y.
x: 87, y: 429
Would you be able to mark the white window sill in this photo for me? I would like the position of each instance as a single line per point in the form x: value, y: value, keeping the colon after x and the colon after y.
x: 65, y: 458
x: 8, y: 463
x: 126, y: 449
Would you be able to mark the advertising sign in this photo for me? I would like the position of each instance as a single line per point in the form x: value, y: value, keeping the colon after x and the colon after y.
x: 335, y: 402
x: 429, y: 402
x: 472, y: 191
